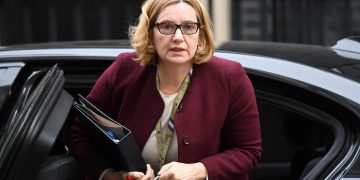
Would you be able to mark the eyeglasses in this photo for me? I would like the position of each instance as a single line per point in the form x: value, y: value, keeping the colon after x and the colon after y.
x: 168, y: 28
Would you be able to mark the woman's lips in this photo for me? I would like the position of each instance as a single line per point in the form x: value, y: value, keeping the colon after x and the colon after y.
x: 177, y: 49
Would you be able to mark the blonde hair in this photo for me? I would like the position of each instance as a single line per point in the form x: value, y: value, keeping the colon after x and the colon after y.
x: 141, y: 36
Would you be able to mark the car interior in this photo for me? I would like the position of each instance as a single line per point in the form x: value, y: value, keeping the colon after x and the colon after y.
x: 292, y: 142
x: 301, y: 129
x: 297, y: 133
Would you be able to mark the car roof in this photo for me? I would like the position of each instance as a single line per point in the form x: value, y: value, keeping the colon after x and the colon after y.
x: 326, y: 58
x: 70, y: 44
x: 313, y: 55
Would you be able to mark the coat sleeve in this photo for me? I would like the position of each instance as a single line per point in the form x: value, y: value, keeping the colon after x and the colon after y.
x: 241, y: 137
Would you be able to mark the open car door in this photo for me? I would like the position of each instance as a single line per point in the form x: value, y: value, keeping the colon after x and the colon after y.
x: 32, y: 114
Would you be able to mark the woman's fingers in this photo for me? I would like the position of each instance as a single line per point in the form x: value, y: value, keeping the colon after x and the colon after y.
x: 149, y: 170
x: 134, y: 175
x: 165, y: 168
x: 149, y: 174
x: 177, y: 170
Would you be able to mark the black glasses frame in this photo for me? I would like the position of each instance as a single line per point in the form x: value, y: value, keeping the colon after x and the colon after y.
x: 178, y: 26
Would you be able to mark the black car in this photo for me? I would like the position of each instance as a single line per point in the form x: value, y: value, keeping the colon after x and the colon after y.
x: 308, y: 97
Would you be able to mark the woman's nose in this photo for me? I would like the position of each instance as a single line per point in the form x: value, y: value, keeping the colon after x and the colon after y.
x: 178, y: 34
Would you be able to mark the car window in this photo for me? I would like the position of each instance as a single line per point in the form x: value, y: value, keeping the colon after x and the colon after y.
x: 290, y: 141
x: 297, y: 132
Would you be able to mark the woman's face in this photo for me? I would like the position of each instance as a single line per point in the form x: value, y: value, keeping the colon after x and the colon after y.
x: 177, y: 48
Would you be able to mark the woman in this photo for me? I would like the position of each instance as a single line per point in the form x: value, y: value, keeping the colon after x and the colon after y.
x: 194, y: 116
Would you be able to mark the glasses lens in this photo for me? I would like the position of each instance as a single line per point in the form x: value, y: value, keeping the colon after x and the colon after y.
x: 189, y: 28
x: 167, y: 28
x: 170, y: 28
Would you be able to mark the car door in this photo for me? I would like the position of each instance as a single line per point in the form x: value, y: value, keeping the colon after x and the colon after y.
x: 34, y: 109
x: 308, y: 133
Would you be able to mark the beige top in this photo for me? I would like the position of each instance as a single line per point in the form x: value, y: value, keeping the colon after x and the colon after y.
x: 150, y: 151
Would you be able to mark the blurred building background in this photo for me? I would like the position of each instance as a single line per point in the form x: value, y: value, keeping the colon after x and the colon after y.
x: 300, y: 21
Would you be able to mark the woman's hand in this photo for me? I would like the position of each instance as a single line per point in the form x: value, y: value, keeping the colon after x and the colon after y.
x: 176, y: 170
x: 149, y: 175
x: 134, y: 175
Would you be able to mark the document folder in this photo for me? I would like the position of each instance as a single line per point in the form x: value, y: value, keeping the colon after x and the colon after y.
x: 115, y: 140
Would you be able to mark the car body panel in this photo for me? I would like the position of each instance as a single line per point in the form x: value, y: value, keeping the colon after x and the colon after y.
x: 316, y: 82
x: 297, y: 71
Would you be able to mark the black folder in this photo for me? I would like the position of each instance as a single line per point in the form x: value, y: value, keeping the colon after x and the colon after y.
x: 115, y: 141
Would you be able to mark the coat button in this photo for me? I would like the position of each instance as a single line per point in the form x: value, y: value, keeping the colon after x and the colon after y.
x: 179, y: 108
x: 186, y: 140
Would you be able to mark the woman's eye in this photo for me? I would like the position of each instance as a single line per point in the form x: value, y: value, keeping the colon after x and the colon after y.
x: 188, y: 26
x: 166, y: 26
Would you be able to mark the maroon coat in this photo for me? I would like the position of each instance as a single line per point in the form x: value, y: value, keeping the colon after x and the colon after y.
x: 217, y: 122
